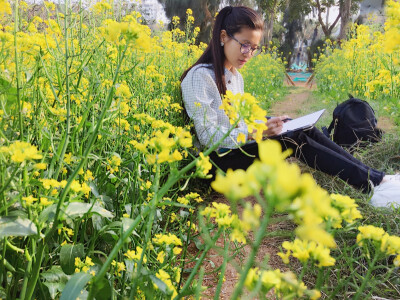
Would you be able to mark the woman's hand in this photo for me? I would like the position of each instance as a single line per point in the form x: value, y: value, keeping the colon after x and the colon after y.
x: 274, y: 126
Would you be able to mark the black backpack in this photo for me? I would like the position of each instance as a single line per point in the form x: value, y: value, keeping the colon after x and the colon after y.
x: 353, y: 123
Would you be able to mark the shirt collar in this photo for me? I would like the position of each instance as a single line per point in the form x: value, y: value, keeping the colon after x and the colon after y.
x: 229, y: 74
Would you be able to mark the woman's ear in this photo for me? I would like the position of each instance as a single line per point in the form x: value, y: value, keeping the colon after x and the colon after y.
x: 223, y: 36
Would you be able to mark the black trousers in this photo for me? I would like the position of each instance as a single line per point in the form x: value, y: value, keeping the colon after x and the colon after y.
x: 314, y: 149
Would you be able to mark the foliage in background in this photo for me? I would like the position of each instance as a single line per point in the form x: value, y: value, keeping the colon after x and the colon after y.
x: 367, y: 65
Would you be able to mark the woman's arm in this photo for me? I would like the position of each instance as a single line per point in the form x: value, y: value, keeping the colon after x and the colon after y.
x: 202, y: 101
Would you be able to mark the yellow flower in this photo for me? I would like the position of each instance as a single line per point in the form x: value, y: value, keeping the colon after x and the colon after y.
x: 161, y: 256
x: 168, y: 239
x: 29, y: 200
x: 203, y: 165
x: 164, y: 277
x: 21, y: 151
x: 241, y: 138
x: 370, y: 232
x: 135, y: 255
x: 45, y: 202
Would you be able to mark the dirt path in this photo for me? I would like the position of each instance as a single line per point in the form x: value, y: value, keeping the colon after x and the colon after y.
x: 291, y: 105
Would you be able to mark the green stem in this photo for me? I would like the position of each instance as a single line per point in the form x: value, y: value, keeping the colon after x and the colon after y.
x: 49, y: 233
x: 115, y: 250
x: 199, y: 283
x: 6, y: 185
x: 153, y: 208
x: 35, y: 272
x: 366, y: 278
x: 320, y: 278
x: 67, y: 131
x: 197, y: 266
x: 223, y: 268
x: 17, y: 72
x: 249, y: 263
x: 26, y: 279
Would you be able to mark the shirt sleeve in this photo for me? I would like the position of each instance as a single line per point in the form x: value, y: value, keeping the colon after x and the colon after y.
x: 202, y: 101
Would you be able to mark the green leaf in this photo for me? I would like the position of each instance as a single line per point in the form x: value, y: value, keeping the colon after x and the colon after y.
x: 67, y: 257
x: 7, y: 89
x: 160, y: 284
x: 78, y: 209
x: 75, y: 285
x: 11, y: 226
x: 54, y: 288
x: 55, y: 274
x: 48, y: 214
x: 74, y: 210
x: 55, y: 280
x: 103, y: 290
x: 2, y: 293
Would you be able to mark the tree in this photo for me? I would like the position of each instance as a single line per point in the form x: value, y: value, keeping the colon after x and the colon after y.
x: 203, y: 11
x: 321, y: 7
x: 346, y: 9
x: 345, y: 6
x: 269, y: 8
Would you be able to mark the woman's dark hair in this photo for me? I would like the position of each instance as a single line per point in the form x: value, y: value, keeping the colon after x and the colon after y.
x: 231, y: 19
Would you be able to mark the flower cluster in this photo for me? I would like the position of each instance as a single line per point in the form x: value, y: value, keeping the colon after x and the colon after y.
x: 283, y: 283
x: 392, y: 26
x: 20, y: 151
x: 83, y: 266
x: 388, y: 244
x: 245, y: 107
x: 240, y: 227
x: 164, y: 144
x: 129, y: 30
x: 287, y: 189
x: 305, y: 250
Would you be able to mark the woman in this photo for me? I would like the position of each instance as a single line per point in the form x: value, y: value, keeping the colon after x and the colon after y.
x: 235, y: 39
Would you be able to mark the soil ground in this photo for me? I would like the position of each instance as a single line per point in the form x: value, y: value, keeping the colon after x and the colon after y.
x: 298, y: 101
x: 291, y: 105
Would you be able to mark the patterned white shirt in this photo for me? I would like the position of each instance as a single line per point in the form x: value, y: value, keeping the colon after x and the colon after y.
x: 202, y: 101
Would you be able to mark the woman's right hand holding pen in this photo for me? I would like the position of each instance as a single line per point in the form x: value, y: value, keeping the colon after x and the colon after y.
x: 275, y: 125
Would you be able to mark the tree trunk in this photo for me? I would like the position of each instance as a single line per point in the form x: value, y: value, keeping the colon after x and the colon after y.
x: 270, y: 28
x: 345, y: 17
x: 325, y: 27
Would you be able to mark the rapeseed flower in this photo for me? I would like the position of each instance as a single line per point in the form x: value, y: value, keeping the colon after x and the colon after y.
x: 29, y: 200
x: 203, y: 165
x: 245, y: 107
x: 305, y: 250
x: 136, y: 255
x: 20, y: 151
x: 5, y: 7
x: 83, y: 266
x: 166, y: 278
x: 168, y: 239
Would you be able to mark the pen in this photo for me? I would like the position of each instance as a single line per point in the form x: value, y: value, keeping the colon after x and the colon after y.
x: 287, y: 119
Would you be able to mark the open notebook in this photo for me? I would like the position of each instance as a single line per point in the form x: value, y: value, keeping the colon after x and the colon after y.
x: 302, y: 123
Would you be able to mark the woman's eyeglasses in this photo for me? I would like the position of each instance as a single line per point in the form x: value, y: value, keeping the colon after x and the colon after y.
x: 246, y: 48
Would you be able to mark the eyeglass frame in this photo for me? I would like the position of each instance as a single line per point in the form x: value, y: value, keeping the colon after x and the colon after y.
x: 252, y: 50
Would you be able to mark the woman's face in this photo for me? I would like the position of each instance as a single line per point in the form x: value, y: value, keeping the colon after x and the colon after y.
x: 233, y: 55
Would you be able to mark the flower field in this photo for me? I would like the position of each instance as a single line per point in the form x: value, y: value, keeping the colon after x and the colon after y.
x: 367, y: 65
x: 98, y: 171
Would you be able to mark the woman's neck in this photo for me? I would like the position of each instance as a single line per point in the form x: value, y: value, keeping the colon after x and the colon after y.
x: 229, y: 67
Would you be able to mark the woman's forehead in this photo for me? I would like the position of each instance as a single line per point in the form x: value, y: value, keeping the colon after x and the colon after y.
x: 249, y: 35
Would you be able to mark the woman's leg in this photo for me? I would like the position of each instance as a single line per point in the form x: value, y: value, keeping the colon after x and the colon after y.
x: 319, y: 152
x: 235, y: 159
x: 314, y: 149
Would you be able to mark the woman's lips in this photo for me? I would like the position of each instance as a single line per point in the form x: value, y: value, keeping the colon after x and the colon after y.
x: 242, y: 62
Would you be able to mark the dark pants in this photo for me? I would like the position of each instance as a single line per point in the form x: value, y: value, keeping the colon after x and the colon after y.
x: 314, y: 149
